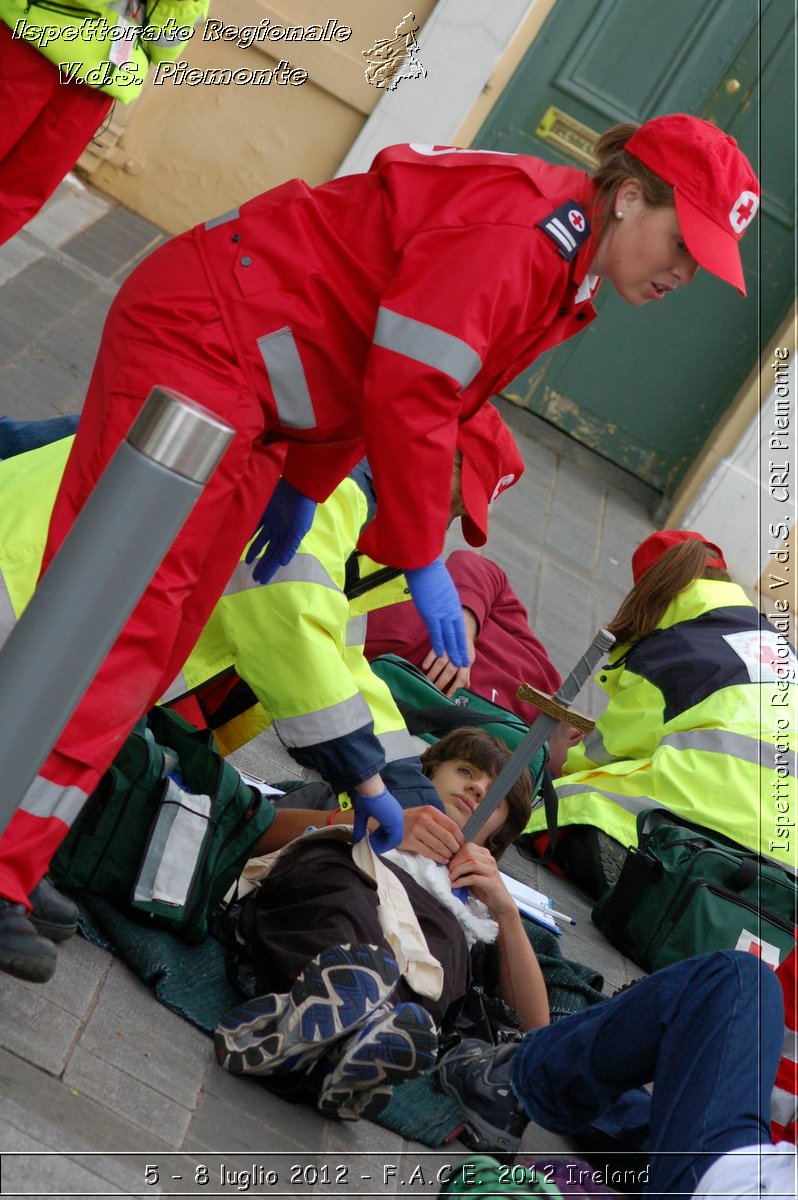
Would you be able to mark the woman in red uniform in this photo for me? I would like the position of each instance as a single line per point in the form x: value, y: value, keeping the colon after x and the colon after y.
x: 368, y: 315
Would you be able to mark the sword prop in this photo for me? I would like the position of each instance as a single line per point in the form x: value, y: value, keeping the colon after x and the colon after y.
x: 539, y: 731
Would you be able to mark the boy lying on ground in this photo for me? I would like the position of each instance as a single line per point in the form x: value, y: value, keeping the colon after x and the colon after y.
x: 333, y: 1010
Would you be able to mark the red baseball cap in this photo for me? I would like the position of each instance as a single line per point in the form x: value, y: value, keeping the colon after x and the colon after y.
x: 715, y: 189
x: 491, y: 463
x: 652, y: 548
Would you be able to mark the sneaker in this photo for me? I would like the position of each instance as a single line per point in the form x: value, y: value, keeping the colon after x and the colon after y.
x: 22, y: 952
x: 336, y: 992
x: 477, y: 1076
x: 54, y: 915
x: 395, y: 1045
x: 591, y: 858
x: 764, y: 1170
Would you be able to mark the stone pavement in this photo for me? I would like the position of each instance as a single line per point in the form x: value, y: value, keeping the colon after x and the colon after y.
x: 102, y: 1090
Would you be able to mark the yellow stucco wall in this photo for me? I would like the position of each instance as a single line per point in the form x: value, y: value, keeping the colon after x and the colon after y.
x: 184, y: 152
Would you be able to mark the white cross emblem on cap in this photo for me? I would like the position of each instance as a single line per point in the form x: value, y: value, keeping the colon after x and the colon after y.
x: 743, y: 211
x: 503, y: 483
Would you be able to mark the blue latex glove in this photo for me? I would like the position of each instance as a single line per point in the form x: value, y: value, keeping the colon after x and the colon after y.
x: 286, y: 519
x: 438, y: 603
x: 387, y: 812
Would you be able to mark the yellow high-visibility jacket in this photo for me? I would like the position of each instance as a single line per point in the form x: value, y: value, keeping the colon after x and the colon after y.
x: 104, y: 43
x: 296, y: 641
x: 701, y: 720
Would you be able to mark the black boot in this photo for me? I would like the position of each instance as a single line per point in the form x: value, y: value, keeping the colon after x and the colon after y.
x: 54, y: 915
x: 22, y: 952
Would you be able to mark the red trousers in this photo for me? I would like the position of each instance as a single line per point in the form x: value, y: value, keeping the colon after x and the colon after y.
x: 163, y: 328
x: 45, y: 126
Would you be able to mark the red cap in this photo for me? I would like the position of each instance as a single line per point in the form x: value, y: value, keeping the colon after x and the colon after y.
x: 652, y: 548
x: 491, y: 463
x: 715, y: 189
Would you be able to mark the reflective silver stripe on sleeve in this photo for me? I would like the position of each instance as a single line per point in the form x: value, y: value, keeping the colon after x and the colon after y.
x: 223, y: 219
x: 596, y: 750
x: 356, y: 630
x: 337, y: 720
x: 736, y: 745
x: 287, y: 378
x: 396, y: 744
x: 303, y: 568
x: 8, y: 618
x: 428, y: 345
x: 46, y: 799
x: 632, y: 804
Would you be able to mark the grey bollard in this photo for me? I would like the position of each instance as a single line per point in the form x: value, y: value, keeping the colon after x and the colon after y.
x: 111, y: 553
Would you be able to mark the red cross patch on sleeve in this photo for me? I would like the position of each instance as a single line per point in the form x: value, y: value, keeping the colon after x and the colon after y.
x: 568, y: 227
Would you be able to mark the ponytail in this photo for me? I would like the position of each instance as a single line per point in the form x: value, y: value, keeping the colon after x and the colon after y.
x: 615, y: 166
x: 643, y: 609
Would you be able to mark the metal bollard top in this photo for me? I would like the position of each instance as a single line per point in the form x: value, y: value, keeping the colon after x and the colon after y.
x: 179, y: 434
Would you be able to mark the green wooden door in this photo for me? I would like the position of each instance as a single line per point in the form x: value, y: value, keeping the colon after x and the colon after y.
x: 644, y: 387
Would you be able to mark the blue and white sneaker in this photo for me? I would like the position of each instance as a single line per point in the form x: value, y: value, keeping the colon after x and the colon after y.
x: 395, y: 1045
x: 336, y: 992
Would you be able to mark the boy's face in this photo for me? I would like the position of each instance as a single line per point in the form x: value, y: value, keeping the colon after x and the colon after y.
x: 461, y: 787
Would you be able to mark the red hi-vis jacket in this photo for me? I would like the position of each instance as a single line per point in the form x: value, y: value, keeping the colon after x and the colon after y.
x: 376, y: 311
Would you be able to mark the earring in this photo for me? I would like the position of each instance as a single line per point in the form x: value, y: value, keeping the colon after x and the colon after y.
x: 619, y: 215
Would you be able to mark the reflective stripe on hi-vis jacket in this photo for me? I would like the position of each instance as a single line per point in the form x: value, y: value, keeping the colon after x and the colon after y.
x: 7, y: 615
x: 298, y: 644
x: 698, y: 722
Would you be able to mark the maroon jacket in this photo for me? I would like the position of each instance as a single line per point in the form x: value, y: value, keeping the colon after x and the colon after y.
x: 508, y: 653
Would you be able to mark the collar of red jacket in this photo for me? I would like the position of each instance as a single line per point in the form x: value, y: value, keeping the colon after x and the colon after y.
x: 583, y: 260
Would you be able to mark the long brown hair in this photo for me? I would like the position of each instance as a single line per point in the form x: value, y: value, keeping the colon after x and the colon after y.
x: 489, y: 754
x: 615, y: 166
x: 643, y: 608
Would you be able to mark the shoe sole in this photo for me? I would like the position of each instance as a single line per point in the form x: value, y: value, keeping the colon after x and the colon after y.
x: 22, y: 966
x: 399, y: 1047
x: 479, y: 1134
x: 52, y: 931
x: 335, y: 994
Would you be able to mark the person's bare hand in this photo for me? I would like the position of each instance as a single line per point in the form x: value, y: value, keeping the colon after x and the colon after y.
x: 430, y: 832
x: 475, y: 867
x: 442, y: 672
x: 562, y: 738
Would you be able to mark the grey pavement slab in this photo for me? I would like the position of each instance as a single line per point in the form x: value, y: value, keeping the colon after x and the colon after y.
x: 115, y: 243
x: 131, y: 1099
x: 92, y: 1068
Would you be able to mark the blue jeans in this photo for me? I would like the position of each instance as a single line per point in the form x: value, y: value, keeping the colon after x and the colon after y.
x: 18, y: 436
x: 707, y: 1032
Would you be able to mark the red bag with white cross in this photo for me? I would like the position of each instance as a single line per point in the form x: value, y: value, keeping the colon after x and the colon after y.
x: 784, y: 1101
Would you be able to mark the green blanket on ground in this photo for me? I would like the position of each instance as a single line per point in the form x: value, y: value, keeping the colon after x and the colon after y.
x: 191, y: 980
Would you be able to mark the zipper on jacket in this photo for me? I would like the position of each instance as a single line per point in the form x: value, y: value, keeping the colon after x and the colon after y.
x: 374, y: 580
